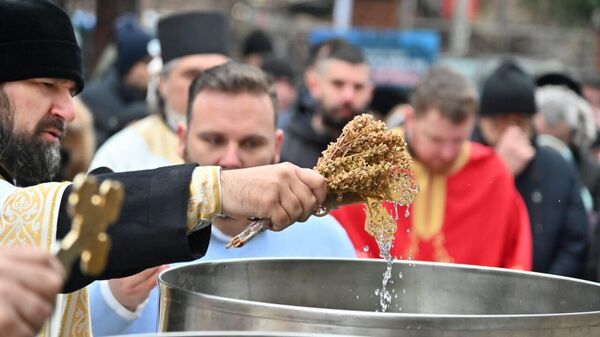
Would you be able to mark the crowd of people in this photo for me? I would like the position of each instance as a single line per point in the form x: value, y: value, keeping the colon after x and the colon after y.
x: 508, y: 172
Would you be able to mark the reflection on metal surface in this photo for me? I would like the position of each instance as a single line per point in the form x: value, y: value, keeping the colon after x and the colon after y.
x: 338, y: 296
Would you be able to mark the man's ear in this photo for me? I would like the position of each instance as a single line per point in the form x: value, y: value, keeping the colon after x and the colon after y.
x: 181, y: 132
x: 408, y: 112
x: 278, y: 144
x: 312, y: 82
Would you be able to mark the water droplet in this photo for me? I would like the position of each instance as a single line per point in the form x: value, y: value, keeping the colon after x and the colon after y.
x: 322, y: 211
x: 408, y: 230
x: 377, y: 292
x: 400, y: 275
x: 406, y: 213
x: 395, y: 211
x: 396, y: 296
x: 357, y: 297
x: 404, y: 291
x: 366, y: 248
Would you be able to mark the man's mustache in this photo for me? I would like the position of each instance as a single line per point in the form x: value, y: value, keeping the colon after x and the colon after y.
x: 52, y: 122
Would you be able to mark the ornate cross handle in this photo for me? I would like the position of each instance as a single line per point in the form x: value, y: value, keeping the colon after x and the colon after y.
x: 92, y: 209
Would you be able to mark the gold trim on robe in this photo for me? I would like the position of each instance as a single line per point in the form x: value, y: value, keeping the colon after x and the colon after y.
x: 29, y: 216
x: 76, y: 317
x: 161, y: 140
x: 429, y: 206
x: 205, y: 196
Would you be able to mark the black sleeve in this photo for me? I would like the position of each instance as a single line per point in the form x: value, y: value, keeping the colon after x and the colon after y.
x: 152, y: 227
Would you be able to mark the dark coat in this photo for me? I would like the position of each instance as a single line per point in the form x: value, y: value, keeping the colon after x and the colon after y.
x: 113, y: 105
x: 302, y: 146
x: 589, y: 171
x: 151, y: 230
x: 550, y: 188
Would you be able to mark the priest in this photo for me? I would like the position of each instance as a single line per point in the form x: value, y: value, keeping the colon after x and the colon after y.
x: 166, y: 212
x: 191, y: 42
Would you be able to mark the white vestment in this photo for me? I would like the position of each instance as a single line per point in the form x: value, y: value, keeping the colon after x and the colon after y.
x: 146, y: 144
x: 29, y: 218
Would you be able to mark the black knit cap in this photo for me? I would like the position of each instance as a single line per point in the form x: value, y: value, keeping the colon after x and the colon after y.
x: 37, y: 40
x: 257, y: 42
x: 193, y: 33
x: 509, y: 90
x: 132, y: 43
x: 278, y: 68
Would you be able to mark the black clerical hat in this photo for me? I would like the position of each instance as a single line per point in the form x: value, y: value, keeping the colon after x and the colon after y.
x: 193, y: 33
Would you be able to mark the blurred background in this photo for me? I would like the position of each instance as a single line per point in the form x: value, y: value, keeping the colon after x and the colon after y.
x: 402, y: 38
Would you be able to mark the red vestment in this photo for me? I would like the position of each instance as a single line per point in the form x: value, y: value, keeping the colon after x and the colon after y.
x: 472, y: 215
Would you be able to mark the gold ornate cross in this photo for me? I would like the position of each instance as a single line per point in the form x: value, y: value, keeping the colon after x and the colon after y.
x: 92, y: 209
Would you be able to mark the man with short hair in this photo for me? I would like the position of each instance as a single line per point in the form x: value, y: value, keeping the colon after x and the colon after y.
x: 341, y: 89
x: 467, y: 210
x: 231, y: 123
x: 191, y: 42
x: 165, y: 213
x: 548, y: 184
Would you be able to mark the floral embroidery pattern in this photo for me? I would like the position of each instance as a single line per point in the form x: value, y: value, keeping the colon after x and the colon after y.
x: 28, y: 219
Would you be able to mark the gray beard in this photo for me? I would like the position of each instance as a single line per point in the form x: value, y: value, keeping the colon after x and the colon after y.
x: 29, y: 159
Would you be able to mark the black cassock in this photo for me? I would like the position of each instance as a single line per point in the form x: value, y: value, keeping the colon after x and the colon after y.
x: 151, y: 230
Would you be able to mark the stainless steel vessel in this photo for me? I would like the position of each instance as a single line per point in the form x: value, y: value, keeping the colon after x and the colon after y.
x: 339, y: 296
x: 231, y: 334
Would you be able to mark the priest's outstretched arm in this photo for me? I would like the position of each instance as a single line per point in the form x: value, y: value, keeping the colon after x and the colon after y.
x: 166, y: 212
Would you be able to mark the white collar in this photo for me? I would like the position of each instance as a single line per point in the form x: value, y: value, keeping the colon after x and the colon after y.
x: 217, y: 234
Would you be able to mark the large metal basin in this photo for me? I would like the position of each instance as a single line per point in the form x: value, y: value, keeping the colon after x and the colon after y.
x: 229, y: 334
x: 338, y: 296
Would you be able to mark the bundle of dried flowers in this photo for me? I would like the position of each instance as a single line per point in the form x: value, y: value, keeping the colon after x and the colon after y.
x: 368, y: 162
x: 373, y: 163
